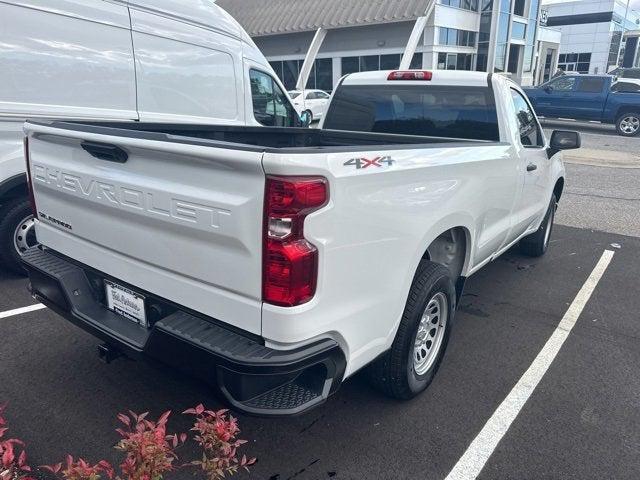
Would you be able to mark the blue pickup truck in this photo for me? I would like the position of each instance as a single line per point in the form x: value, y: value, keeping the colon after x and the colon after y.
x: 590, y: 97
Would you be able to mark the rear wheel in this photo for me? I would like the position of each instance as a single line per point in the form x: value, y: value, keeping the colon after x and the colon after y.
x: 310, y: 115
x: 628, y: 124
x: 17, y: 233
x: 537, y: 243
x: 413, y: 360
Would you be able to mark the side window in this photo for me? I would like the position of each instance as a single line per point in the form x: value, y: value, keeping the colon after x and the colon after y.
x: 270, y: 105
x: 311, y: 96
x: 625, y: 87
x: 530, y: 134
x: 591, y: 85
x: 563, y: 84
x: 323, y: 95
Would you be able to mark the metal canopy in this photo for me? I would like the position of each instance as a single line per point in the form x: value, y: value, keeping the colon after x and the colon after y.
x: 273, y: 17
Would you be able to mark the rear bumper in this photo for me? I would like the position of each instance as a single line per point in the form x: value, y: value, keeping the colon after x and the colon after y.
x: 253, y: 378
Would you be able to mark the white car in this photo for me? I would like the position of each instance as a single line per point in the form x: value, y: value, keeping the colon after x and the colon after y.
x: 183, y: 61
x: 313, y: 101
x: 279, y: 262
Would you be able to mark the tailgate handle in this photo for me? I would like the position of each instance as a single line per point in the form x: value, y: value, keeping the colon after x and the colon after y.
x: 104, y: 151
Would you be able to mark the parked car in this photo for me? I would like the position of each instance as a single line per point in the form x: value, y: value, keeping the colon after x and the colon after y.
x: 588, y: 97
x: 278, y: 262
x: 147, y: 60
x: 314, y: 102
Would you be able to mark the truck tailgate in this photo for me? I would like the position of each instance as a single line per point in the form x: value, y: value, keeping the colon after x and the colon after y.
x: 180, y: 221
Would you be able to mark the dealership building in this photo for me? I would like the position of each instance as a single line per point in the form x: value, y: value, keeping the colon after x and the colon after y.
x: 592, y: 32
x: 502, y: 36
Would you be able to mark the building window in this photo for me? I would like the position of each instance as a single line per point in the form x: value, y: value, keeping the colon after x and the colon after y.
x: 518, y: 31
x: 455, y: 61
x: 614, y: 50
x: 518, y: 7
x: 460, y: 38
x: 390, y: 62
x: 464, y: 4
x: 321, y: 76
x: 370, y: 63
x: 574, y: 62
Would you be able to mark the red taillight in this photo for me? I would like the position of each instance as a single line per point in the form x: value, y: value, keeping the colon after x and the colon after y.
x: 32, y: 199
x: 410, y: 75
x: 290, y: 262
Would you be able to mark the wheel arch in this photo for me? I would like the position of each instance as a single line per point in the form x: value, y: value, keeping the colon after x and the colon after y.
x: 14, y: 187
x: 558, y: 188
x: 622, y: 109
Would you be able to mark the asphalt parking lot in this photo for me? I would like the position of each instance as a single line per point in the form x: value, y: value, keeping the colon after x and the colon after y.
x: 581, y: 421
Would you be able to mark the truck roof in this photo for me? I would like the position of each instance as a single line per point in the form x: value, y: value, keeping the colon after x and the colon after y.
x: 439, y: 77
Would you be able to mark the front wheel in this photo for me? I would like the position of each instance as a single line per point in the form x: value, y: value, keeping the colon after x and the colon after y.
x: 628, y: 124
x: 536, y: 244
x: 417, y: 350
x: 17, y: 234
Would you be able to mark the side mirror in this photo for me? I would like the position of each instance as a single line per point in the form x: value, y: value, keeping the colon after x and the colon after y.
x: 563, y: 140
x: 305, y: 118
x: 548, y: 89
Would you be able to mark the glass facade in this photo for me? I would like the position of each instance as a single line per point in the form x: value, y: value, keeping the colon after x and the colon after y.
x: 370, y: 63
x: 321, y: 76
x: 464, y: 4
x: 518, y: 31
x: 484, y: 35
x: 455, y: 61
x: 614, y: 48
x: 452, y: 36
x: 574, y: 62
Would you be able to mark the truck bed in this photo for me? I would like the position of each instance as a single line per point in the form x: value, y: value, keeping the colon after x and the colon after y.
x: 258, y: 139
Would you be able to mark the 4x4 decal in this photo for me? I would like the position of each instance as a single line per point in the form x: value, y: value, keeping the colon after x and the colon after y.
x: 361, y: 163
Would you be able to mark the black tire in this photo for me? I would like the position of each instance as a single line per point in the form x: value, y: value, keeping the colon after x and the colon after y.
x: 537, y: 243
x: 628, y: 124
x: 12, y: 215
x: 310, y: 115
x: 394, y: 373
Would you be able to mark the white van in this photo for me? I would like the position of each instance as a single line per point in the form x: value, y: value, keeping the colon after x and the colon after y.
x: 170, y: 61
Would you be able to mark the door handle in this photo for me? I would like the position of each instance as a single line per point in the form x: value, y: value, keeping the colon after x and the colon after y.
x: 104, y: 151
x: 531, y: 167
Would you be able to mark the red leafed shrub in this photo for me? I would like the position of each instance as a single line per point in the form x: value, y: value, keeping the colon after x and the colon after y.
x: 80, y: 469
x: 13, y: 465
x: 216, y: 433
x: 150, y: 452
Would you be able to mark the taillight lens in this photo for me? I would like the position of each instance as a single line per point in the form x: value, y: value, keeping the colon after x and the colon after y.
x: 290, y: 262
x: 411, y: 75
x: 32, y: 199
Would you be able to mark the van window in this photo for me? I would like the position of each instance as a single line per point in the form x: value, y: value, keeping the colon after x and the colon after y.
x: 270, y: 105
x: 440, y: 111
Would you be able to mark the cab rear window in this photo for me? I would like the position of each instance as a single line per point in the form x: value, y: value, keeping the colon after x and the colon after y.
x: 440, y: 111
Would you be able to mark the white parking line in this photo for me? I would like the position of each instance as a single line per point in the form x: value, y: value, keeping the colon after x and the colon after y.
x: 472, y: 462
x: 19, y: 311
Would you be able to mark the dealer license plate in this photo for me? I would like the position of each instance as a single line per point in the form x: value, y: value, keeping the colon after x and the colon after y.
x: 126, y: 302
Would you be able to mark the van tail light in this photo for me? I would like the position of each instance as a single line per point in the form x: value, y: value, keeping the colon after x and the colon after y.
x: 290, y: 262
x: 410, y: 75
x: 32, y: 199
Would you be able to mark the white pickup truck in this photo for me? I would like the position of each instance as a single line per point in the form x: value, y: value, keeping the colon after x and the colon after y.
x: 278, y: 262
